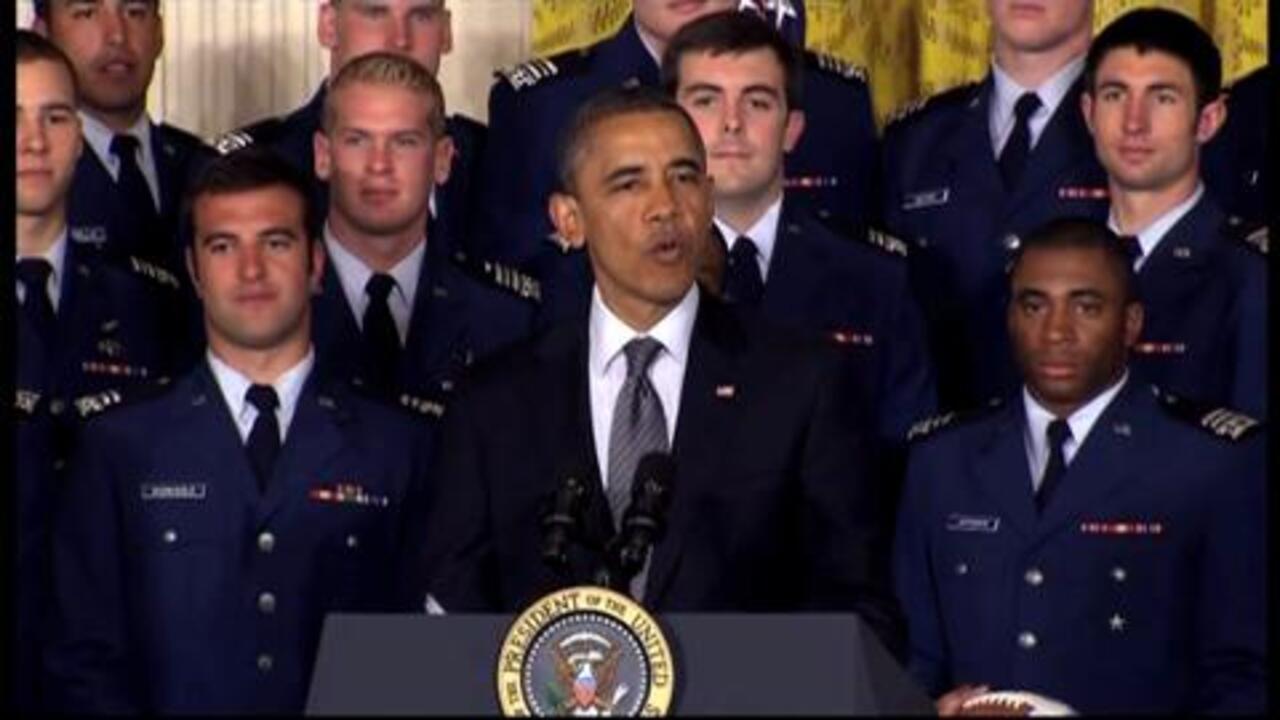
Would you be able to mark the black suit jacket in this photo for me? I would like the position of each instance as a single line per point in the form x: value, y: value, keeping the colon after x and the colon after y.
x: 771, y: 508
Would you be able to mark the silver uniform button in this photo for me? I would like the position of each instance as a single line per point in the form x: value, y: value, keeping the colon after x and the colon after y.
x: 1033, y: 577
x: 1118, y: 574
x: 170, y: 536
x: 1027, y: 640
x: 265, y: 663
x: 1011, y: 242
x: 353, y: 541
x: 266, y: 603
x: 266, y: 542
x: 962, y: 568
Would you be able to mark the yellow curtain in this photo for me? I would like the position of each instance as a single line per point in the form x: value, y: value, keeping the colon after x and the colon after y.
x: 913, y: 48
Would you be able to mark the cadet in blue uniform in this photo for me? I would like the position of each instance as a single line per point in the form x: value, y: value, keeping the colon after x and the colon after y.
x: 130, y: 181
x: 1235, y: 161
x: 1093, y: 540
x: 1152, y: 101
x: 399, y: 313
x: 206, y: 531
x: 830, y: 169
x: 974, y: 168
x: 741, y: 83
x: 421, y: 30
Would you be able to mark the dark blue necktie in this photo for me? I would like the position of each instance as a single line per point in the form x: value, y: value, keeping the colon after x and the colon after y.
x: 1057, y: 433
x: 144, y: 221
x: 33, y: 274
x: 1013, y: 158
x: 264, y: 438
x: 742, y: 281
x: 378, y: 332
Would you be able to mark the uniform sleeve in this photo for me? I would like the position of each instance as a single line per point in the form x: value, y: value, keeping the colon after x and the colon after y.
x: 844, y: 529
x: 411, y: 590
x: 512, y: 207
x: 90, y: 664
x: 1249, y: 389
x: 912, y: 386
x: 1231, y: 622
x: 459, y: 567
x: 913, y: 580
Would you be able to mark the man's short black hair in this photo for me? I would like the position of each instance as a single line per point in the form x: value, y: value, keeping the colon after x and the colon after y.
x: 42, y: 7
x: 606, y: 105
x: 251, y: 168
x: 1082, y: 234
x: 30, y: 46
x: 1169, y: 32
x: 733, y: 33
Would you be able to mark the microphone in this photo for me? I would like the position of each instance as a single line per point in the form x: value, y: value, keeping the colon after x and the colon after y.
x: 645, y: 519
x: 560, y: 522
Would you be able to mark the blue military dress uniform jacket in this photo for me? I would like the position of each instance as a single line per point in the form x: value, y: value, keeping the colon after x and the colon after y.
x: 180, y: 588
x: 1235, y: 162
x: 1142, y: 587
x: 292, y: 136
x: 1204, y: 291
x: 463, y: 309
x: 96, y: 207
x: 530, y: 104
x: 945, y: 198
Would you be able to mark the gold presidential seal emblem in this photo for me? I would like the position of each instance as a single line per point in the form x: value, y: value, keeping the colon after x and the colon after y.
x: 585, y: 651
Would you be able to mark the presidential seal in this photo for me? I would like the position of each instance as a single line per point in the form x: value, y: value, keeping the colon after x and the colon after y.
x: 585, y: 651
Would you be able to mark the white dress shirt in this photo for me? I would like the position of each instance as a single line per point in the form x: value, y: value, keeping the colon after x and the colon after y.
x: 1151, y: 235
x: 354, y: 275
x: 99, y: 136
x: 1081, y: 422
x: 1051, y: 93
x: 764, y: 234
x: 234, y: 384
x: 607, y: 334
x: 56, y: 256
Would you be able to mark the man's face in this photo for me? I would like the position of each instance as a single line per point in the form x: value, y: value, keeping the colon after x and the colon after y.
x: 420, y: 30
x: 664, y: 18
x: 254, y: 268
x: 739, y: 104
x: 1070, y: 326
x: 1040, y: 25
x: 1142, y: 113
x: 48, y: 136
x: 641, y: 203
x: 381, y: 159
x: 113, y: 45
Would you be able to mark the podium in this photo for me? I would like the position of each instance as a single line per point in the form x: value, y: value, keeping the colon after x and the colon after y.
x: 737, y: 664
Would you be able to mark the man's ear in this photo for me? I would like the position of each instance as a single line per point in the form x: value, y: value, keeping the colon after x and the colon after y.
x: 192, y: 269
x: 1133, y: 319
x: 317, y: 266
x: 566, y: 216
x: 445, y: 150
x: 320, y: 151
x: 794, y: 130
x: 1211, y: 119
x: 327, y: 26
x: 1086, y: 109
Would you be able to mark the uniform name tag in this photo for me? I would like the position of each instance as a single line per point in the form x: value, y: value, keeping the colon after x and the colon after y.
x: 928, y: 198
x: 972, y: 523
x: 175, y: 491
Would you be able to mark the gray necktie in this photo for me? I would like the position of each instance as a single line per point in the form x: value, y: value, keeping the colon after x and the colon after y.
x: 639, y: 425
x: 639, y: 428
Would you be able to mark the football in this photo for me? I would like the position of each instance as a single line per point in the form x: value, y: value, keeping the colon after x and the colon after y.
x: 1013, y: 703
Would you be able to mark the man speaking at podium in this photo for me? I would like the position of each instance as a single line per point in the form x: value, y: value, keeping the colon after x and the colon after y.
x: 770, y: 508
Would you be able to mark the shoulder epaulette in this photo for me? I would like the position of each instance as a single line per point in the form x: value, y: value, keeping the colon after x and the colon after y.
x: 154, y: 272
x: 422, y: 406
x: 173, y: 133
x: 916, y: 105
x: 244, y: 137
x: 90, y: 405
x: 1217, y: 421
x: 886, y: 242
x: 928, y: 426
x: 501, y: 275
x: 86, y: 406
x: 26, y: 401
x: 1257, y: 239
x: 838, y: 66
x: 531, y: 73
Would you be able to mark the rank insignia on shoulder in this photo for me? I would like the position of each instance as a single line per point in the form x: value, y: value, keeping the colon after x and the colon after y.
x: 907, y: 109
x: 25, y: 401
x: 91, y: 405
x: 529, y: 73
x: 887, y: 242
x: 838, y: 66
x: 512, y: 279
x: 1257, y: 239
x: 928, y: 426
x: 231, y: 141
x: 1221, y: 422
x: 95, y: 235
x: 422, y: 406
x: 154, y: 272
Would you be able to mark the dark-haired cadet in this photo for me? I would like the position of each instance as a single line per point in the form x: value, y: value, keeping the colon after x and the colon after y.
x: 771, y: 507
x: 206, y: 531
x: 1152, y: 100
x: 130, y: 180
x: 1094, y: 540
